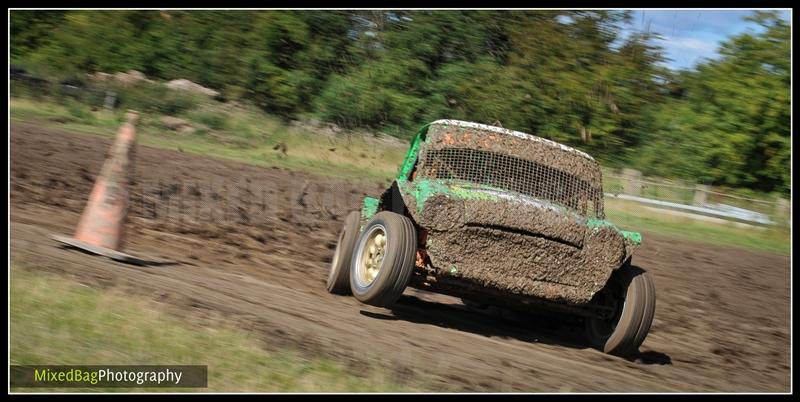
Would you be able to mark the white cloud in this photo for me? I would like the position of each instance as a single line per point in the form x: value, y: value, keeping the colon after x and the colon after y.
x: 695, y: 44
x: 691, y: 36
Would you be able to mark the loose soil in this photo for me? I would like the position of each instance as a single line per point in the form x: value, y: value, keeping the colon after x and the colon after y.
x: 260, y: 254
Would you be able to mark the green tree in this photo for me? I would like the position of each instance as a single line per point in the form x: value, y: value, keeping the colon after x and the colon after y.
x: 731, y: 121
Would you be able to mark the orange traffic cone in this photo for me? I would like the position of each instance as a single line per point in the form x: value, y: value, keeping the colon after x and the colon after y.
x: 102, y: 225
x: 103, y: 220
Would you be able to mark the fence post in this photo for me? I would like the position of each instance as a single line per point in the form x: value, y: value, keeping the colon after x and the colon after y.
x: 110, y: 101
x: 632, y: 182
x: 782, y: 211
x: 700, y: 194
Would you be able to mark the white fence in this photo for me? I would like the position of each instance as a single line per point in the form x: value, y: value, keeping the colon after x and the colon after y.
x: 694, y: 200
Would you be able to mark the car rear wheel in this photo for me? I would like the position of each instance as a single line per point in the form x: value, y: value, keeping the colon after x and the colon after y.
x: 626, y: 309
x: 383, y: 259
x: 339, y: 274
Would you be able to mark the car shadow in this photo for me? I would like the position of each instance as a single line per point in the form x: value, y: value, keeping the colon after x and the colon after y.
x: 499, y: 323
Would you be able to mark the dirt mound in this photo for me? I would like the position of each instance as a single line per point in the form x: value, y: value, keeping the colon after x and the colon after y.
x: 186, y: 85
x: 182, y: 126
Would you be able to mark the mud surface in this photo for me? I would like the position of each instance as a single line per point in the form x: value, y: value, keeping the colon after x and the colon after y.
x: 519, y: 248
x: 721, y: 324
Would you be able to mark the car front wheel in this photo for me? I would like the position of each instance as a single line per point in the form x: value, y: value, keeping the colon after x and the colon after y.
x: 383, y: 259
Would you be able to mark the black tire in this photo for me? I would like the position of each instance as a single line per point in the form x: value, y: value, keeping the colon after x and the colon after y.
x: 633, y: 294
x: 339, y: 275
x: 395, y: 263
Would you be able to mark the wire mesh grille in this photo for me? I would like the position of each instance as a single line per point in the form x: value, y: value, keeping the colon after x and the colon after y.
x: 513, y: 174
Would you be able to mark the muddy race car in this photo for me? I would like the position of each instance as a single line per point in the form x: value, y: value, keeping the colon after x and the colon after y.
x: 503, y: 218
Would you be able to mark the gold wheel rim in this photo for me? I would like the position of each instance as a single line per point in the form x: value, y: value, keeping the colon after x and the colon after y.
x: 370, y: 256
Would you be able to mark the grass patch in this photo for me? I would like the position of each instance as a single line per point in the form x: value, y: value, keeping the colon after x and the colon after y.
x: 70, y: 114
x: 57, y: 321
x: 635, y: 217
x: 213, y: 120
x: 242, y: 134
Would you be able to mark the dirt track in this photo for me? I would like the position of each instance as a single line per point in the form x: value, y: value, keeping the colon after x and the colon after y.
x: 721, y: 324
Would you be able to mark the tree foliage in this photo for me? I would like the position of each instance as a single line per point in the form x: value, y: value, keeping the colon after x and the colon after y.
x: 729, y: 123
x: 570, y: 76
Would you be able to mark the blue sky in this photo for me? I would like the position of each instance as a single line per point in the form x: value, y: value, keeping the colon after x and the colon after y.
x: 691, y: 35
